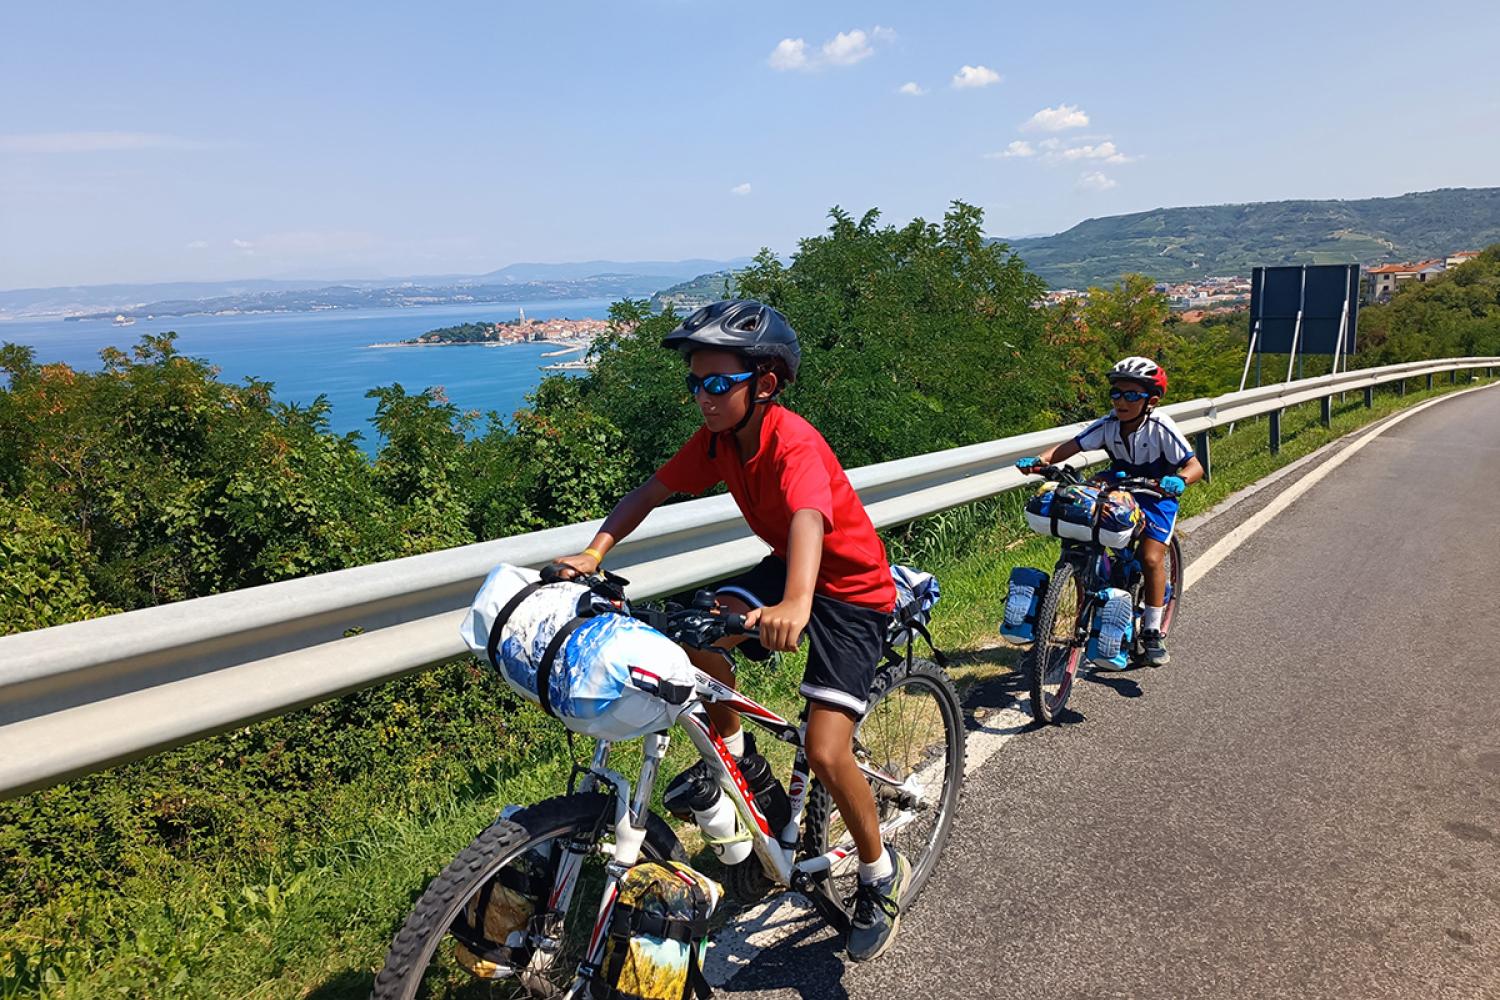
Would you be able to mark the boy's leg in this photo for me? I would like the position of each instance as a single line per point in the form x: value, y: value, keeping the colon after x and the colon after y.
x: 1161, y: 518
x: 845, y: 645
x: 830, y: 753
x: 1153, y: 572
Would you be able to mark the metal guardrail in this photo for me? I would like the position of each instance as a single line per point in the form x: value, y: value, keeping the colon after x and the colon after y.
x: 76, y: 698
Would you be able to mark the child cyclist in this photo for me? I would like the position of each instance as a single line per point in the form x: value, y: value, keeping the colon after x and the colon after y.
x: 827, y: 573
x: 1144, y: 444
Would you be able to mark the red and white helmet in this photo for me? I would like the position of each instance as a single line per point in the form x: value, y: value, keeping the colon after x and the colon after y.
x: 1141, y: 370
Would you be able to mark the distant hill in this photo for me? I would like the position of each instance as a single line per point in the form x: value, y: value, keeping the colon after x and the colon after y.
x: 1173, y: 244
x: 679, y: 270
x: 516, y: 282
x: 700, y: 291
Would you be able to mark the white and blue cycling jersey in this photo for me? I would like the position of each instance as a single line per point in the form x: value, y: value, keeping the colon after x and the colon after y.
x: 1156, y: 449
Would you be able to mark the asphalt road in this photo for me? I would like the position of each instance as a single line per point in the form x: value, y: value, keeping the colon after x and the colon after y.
x: 1306, y: 803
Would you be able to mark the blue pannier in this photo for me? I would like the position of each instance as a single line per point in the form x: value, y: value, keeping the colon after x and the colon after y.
x: 1023, y: 598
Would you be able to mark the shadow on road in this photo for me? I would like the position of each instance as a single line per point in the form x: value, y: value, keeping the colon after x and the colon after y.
x: 809, y: 965
x: 1120, y: 684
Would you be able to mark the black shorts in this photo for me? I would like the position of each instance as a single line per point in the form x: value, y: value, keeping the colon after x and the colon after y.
x: 845, y: 642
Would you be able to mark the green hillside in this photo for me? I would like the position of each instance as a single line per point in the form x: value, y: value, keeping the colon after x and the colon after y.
x: 1172, y: 244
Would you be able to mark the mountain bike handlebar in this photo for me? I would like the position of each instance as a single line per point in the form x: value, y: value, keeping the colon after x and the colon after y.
x: 699, y: 626
x: 1068, y: 475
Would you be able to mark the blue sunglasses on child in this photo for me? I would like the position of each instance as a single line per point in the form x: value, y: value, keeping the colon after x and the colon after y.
x: 1129, y: 395
x: 716, y: 385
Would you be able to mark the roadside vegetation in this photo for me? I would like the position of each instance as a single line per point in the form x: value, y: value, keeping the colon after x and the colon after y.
x: 276, y: 860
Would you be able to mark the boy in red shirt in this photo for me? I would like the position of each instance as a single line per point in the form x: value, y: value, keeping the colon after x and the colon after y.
x: 827, y: 573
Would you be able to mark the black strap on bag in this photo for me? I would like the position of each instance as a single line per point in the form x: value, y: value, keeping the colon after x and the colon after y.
x: 549, y: 660
x: 471, y: 934
x: 492, y: 645
x: 627, y: 921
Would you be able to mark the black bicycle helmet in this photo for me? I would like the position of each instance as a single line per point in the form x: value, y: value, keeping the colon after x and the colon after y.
x: 741, y: 325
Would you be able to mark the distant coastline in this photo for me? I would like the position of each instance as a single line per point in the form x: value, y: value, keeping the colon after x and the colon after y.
x: 569, y: 335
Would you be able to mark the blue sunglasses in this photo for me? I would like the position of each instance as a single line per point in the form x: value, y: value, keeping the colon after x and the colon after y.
x: 716, y: 385
x: 1129, y: 395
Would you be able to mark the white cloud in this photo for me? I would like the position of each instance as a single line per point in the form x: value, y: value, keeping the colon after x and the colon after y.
x: 1019, y: 148
x: 975, y: 76
x: 1095, y: 181
x: 198, y: 245
x: 847, y: 48
x: 910, y: 89
x: 790, y: 53
x: 1105, y: 151
x: 93, y: 142
x: 242, y: 244
x: 844, y: 49
x: 740, y: 189
x: 1064, y: 116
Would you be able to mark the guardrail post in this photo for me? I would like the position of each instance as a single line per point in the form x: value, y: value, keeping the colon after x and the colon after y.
x: 1369, y: 396
x: 1205, y: 457
x: 1453, y: 376
x: 1327, y: 404
x: 1275, y: 432
x: 1401, y: 387
x: 1429, y: 381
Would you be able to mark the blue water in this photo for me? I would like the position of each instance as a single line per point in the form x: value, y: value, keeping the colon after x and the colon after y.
x: 327, y: 353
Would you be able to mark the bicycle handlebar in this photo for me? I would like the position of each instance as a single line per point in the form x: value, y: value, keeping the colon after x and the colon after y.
x: 1068, y: 475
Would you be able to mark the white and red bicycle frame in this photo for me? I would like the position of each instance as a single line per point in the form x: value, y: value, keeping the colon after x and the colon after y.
x: 776, y: 849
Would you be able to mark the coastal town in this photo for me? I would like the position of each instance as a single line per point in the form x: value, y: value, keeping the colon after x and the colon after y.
x: 571, y: 336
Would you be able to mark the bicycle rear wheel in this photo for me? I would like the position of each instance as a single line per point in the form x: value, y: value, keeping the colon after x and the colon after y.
x: 1173, y: 569
x: 913, y: 731
x: 421, y: 961
x: 1052, y: 663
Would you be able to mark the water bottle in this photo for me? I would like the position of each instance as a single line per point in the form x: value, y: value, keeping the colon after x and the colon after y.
x: 1109, y: 641
x: 716, y: 817
x: 770, y: 798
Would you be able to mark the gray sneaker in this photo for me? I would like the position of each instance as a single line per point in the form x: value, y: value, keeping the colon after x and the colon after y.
x: 877, y: 911
x: 1154, y: 648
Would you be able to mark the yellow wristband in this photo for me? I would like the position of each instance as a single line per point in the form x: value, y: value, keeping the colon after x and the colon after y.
x: 598, y: 556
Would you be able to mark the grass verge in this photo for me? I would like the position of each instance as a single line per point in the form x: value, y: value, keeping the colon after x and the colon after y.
x: 314, y: 920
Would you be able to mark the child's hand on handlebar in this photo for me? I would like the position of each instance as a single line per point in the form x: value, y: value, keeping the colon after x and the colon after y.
x: 781, y: 625
x: 1173, y: 485
x: 581, y: 564
x: 1028, y: 464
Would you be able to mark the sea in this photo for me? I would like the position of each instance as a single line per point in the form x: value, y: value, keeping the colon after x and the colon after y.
x: 308, y: 354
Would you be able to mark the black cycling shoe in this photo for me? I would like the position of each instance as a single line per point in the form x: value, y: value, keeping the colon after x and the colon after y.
x: 877, y: 911
x: 1154, y: 648
x: 694, y: 783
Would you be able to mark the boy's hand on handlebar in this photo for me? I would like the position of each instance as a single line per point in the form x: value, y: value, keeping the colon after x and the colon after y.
x: 781, y: 625
x: 581, y: 564
x: 1029, y: 464
x: 1173, y: 485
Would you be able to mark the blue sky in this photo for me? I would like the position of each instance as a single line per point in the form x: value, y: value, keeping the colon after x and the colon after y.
x: 143, y: 141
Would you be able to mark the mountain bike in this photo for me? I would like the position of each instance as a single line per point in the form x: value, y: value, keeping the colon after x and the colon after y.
x: 574, y: 848
x: 1072, y: 598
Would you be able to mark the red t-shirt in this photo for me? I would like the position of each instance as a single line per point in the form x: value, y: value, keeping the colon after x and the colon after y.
x: 794, y: 469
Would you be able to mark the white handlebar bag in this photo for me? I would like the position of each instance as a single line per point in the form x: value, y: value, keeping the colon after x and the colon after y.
x: 568, y: 649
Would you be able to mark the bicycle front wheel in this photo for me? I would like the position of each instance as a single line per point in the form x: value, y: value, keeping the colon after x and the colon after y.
x: 1052, y: 663
x: 913, y: 732
x: 422, y: 960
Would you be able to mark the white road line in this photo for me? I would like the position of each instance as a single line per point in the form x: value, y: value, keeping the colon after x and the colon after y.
x: 766, y: 924
x: 1221, y: 549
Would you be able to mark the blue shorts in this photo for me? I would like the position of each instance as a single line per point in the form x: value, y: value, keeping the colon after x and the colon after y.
x: 1161, y: 516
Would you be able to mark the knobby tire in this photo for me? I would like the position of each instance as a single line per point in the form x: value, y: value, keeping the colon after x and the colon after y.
x: 1054, y: 658
x: 421, y: 938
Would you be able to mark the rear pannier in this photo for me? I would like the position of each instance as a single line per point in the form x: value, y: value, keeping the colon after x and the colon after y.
x: 569, y: 649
